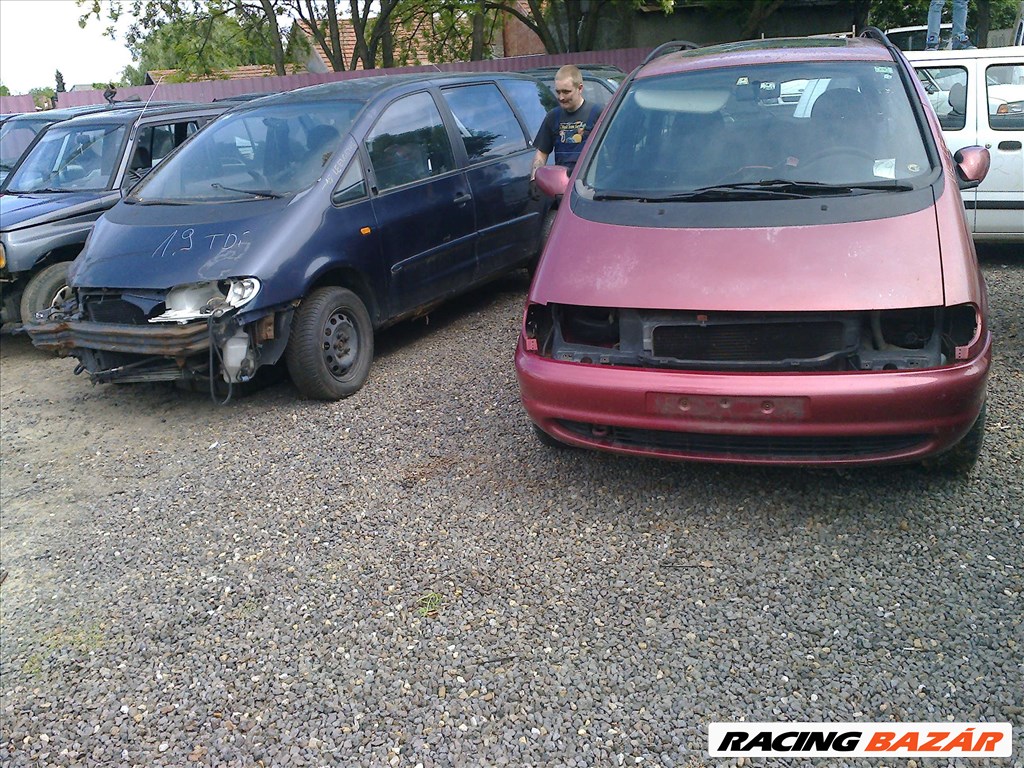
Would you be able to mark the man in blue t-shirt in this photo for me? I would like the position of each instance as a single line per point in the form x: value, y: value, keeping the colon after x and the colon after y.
x: 567, y: 126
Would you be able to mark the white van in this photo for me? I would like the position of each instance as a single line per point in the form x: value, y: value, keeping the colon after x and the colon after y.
x: 978, y: 96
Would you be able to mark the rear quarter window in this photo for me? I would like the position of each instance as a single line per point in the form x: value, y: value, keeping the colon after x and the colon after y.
x: 486, y: 123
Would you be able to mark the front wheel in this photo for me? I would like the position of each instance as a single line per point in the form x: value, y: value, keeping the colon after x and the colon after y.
x: 331, y: 344
x: 48, y: 288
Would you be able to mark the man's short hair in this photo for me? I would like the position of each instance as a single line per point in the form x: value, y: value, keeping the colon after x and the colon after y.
x: 570, y: 72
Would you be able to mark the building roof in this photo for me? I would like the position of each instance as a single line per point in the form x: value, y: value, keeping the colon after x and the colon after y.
x: 155, y: 76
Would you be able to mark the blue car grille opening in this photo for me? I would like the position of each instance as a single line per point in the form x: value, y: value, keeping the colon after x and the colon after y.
x: 114, y: 309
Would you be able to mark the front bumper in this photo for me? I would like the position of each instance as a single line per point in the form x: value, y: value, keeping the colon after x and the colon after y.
x: 833, y: 418
x: 164, y: 340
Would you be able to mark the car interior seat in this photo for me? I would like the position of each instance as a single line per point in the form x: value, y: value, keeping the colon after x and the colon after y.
x: 401, y: 163
x: 958, y: 98
x: 841, y: 117
x: 141, y: 160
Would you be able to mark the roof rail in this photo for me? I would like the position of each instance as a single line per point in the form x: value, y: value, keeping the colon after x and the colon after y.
x: 670, y: 47
x: 875, y: 34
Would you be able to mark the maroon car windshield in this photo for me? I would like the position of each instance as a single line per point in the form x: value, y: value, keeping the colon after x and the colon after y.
x: 763, y: 132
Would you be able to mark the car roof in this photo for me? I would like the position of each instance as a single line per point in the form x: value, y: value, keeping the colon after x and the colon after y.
x: 770, y: 50
x: 366, y: 89
x: 607, y: 68
x: 128, y: 116
x: 67, y: 113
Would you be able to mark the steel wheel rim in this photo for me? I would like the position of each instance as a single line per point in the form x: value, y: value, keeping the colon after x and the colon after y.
x: 340, y: 343
x: 62, y: 295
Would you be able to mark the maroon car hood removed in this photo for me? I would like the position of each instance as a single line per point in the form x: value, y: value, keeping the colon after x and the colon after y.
x: 880, y: 264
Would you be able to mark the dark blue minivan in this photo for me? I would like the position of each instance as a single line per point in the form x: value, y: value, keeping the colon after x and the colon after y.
x: 294, y: 226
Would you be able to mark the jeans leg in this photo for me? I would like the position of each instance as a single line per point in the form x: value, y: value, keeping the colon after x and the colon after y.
x: 935, y: 21
x: 960, y: 23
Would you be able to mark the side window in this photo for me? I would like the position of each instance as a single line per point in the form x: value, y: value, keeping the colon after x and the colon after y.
x: 351, y: 185
x: 947, y: 91
x: 1004, y: 84
x: 409, y: 143
x: 595, y: 93
x: 486, y: 122
x: 533, y: 99
x: 153, y: 144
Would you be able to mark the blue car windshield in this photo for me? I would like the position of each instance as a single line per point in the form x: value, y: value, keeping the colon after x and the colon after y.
x: 265, y: 152
x: 70, y: 158
x: 824, y: 124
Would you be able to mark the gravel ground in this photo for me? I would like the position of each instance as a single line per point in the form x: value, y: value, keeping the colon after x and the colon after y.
x: 407, y: 578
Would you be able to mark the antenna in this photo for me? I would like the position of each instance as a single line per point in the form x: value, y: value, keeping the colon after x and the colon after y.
x: 156, y: 85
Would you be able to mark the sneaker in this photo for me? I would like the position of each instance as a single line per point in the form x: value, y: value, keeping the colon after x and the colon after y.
x: 964, y: 47
x: 931, y: 47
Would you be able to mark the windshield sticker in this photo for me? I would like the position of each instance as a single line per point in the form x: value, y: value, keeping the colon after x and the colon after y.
x: 886, y: 72
x: 743, y: 81
x: 886, y: 168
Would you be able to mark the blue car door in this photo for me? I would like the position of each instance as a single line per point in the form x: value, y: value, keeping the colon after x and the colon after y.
x: 423, y: 205
x: 499, y: 163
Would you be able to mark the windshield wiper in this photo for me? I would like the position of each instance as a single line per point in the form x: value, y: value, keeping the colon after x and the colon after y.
x: 613, y: 195
x: 37, y: 191
x: 744, y: 191
x: 254, y: 192
x: 152, y: 201
x: 783, y: 188
x: 810, y: 188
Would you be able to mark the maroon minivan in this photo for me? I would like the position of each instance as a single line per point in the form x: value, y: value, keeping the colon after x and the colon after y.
x: 762, y: 258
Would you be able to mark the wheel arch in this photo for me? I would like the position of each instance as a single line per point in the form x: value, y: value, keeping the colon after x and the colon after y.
x: 355, y: 281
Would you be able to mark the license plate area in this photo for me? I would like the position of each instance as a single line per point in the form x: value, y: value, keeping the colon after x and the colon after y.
x: 727, y: 407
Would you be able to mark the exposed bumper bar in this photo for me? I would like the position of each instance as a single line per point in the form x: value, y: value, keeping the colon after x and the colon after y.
x: 163, y: 340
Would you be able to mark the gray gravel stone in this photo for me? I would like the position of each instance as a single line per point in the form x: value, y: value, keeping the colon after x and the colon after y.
x: 407, y: 578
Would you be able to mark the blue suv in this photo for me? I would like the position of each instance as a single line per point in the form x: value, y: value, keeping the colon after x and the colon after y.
x: 295, y: 226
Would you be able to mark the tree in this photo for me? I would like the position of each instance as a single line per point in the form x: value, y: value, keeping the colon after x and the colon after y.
x: 44, y: 98
x: 60, y: 82
x: 982, y: 15
x: 208, y: 34
x: 565, y: 26
x: 4, y: 90
x: 447, y: 31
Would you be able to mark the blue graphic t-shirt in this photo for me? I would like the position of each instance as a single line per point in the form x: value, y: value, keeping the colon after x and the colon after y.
x: 566, y: 132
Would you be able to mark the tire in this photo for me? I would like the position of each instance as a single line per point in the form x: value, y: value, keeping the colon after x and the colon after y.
x: 961, y: 458
x: 48, y: 288
x: 330, y: 347
x: 545, y: 229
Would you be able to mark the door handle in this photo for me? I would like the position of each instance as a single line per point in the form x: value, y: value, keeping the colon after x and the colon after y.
x: 462, y: 198
x: 1009, y: 145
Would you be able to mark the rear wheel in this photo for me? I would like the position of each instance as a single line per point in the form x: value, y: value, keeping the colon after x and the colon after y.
x: 48, y: 288
x: 961, y: 458
x: 331, y: 344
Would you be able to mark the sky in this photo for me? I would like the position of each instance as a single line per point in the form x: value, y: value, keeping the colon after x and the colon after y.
x: 38, y: 37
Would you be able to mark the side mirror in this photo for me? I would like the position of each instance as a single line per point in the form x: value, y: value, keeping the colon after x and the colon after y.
x: 553, y: 180
x: 972, y: 165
